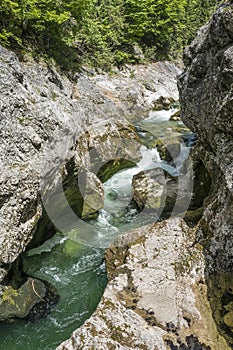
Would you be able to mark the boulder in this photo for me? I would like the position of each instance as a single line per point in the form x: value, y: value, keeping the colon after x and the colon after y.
x: 161, y: 193
x: 156, y: 297
x: 33, y: 299
x: 169, y: 148
x: 176, y: 116
x: 148, y: 189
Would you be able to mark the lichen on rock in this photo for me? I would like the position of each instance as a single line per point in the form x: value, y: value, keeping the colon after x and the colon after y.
x: 32, y: 299
x: 206, y: 94
x: 206, y: 107
x: 155, y: 295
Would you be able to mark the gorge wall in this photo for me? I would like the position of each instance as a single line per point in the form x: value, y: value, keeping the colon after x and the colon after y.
x: 159, y: 294
x: 53, y: 127
x: 144, y: 305
x: 206, y: 95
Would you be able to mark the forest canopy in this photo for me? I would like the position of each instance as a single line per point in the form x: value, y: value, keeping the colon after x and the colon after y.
x: 102, y: 32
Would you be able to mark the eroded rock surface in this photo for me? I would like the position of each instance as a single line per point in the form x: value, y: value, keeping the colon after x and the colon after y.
x: 156, y: 297
x: 162, y: 293
x: 206, y: 93
x: 53, y: 130
x: 141, y: 88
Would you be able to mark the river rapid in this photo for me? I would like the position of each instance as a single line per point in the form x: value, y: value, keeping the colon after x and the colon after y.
x: 74, y: 265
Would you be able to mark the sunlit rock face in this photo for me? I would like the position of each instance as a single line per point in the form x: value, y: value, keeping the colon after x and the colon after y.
x: 47, y: 120
x: 161, y: 292
x: 60, y: 139
x: 156, y: 297
x: 206, y: 94
x: 41, y: 121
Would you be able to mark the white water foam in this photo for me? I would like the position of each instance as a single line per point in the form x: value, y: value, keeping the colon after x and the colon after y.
x: 162, y: 115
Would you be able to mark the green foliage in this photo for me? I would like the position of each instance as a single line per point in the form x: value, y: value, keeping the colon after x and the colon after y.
x: 197, y: 13
x: 9, y: 295
x: 102, y: 32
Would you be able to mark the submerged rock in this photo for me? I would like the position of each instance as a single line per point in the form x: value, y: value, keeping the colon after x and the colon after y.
x: 33, y: 299
x: 112, y: 195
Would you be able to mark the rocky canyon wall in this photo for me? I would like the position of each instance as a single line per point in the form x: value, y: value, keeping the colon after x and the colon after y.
x: 170, y: 287
x: 53, y: 128
x: 206, y: 95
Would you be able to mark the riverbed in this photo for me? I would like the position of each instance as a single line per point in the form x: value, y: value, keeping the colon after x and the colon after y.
x: 74, y: 265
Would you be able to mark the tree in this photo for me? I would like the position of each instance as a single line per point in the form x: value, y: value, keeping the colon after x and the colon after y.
x: 102, y: 32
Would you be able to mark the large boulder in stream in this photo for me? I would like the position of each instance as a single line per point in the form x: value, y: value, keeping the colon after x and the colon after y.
x: 165, y: 194
x: 159, y: 192
x: 33, y: 299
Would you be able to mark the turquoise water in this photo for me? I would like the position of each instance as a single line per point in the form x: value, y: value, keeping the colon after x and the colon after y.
x: 75, y: 265
x: 79, y: 275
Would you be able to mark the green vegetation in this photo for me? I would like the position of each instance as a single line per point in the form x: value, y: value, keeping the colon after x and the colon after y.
x: 102, y: 32
x: 9, y: 295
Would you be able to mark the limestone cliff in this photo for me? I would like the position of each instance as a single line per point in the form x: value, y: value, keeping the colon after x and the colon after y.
x: 57, y: 132
x: 162, y: 292
x: 206, y: 94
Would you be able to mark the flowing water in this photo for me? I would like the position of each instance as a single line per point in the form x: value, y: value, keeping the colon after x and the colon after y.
x: 75, y: 265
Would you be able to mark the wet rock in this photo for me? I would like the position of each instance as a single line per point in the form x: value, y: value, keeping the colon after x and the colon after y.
x: 202, y: 181
x: 220, y: 287
x: 163, y: 103
x: 228, y: 319
x: 22, y: 302
x: 189, y: 139
x: 192, y: 217
x: 93, y: 195
x: 148, y: 189
x: 176, y: 116
x: 169, y: 149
